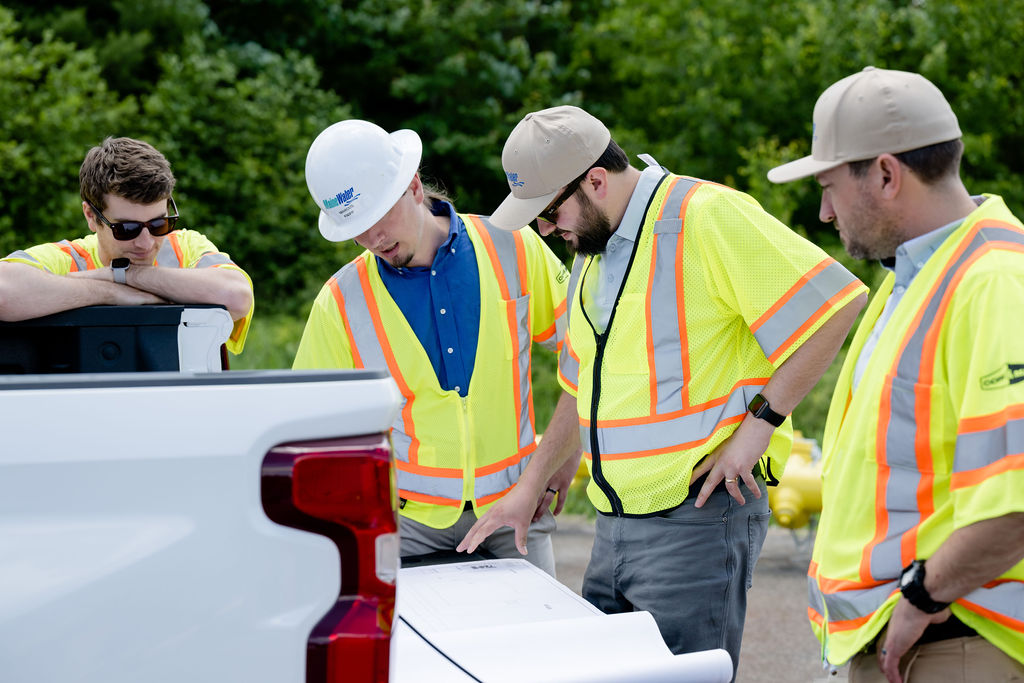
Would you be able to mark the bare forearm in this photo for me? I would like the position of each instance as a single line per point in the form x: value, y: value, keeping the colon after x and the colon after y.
x: 802, y: 370
x: 223, y: 286
x: 28, y: 292
x: 974, y: 555
x: 561, y: 441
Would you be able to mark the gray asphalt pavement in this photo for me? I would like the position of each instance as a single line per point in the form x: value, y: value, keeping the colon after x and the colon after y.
x: 777, y: 643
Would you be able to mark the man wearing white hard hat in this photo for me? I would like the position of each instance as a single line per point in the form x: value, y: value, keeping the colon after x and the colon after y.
x: 697, y: 322
x: 451, y: 307
x: 916, y: 573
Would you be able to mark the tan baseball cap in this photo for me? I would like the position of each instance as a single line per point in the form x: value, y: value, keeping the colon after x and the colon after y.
x: 546, y: 151
x: 872, y: 112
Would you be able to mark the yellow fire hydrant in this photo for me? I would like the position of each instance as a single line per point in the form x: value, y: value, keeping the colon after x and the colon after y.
x: 798, y: 495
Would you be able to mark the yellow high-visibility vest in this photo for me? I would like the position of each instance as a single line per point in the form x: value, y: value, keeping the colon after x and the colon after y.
x: 931, y: 440
x: 451, y: 449
x: 717, y: 295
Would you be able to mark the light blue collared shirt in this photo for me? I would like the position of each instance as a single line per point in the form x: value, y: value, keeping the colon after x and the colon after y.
x: 601, y: 287
x: 910, y: 259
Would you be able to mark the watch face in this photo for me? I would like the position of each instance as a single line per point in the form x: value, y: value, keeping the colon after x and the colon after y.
x: 757, y: 403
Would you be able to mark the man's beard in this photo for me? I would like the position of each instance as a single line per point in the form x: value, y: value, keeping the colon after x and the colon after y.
x: 594, y: 228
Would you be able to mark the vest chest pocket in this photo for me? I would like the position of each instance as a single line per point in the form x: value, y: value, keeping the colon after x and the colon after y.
x: 627, y: 350
x: 517, y: 312
x: 915, y: 411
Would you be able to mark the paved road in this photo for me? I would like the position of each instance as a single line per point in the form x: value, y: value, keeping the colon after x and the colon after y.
x: 777, y: 643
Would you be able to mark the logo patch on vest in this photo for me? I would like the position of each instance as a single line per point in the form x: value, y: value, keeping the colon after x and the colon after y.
x: 1011, y: 373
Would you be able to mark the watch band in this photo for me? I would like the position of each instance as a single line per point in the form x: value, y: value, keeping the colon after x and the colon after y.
x: 119, y: 268
x: 760, y: 408
x: 912, y: 586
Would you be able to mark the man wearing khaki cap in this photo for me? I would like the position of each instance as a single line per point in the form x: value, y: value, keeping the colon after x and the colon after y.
x: 697, y: 322
x: 916, y: 573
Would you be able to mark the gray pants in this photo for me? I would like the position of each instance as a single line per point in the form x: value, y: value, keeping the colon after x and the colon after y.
x: 690, y: 568
x: 419, y: 539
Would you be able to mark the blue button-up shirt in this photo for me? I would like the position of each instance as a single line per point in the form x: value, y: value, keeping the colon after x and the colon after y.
x: 442, y: 303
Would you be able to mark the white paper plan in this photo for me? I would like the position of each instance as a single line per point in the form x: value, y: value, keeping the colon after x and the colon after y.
x: 502, y: 621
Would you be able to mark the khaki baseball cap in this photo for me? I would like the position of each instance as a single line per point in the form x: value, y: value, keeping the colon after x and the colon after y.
x: 546, y: 151
x: 872, y: 112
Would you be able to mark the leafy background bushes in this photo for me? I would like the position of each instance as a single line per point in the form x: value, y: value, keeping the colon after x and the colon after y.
x: 234, y: 92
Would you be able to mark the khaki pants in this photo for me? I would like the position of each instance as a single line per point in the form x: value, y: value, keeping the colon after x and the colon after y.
x: 957, y: 660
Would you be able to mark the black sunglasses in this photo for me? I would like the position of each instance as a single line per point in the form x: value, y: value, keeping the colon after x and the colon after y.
x: 550, y: 214
x: 128, y: 230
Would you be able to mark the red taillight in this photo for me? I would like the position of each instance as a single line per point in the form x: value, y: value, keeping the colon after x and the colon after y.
x: 344, y: 489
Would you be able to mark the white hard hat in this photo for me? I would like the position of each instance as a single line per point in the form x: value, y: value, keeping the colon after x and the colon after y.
x: 356, y: 172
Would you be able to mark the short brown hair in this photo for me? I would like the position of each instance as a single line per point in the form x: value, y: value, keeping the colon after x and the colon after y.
x: 930, y: 164
x: 128, y: 168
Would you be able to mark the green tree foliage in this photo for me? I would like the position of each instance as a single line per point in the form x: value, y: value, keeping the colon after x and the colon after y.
x: 237, y: 123
x: 54, y: 105
x: 459, y: 72
x: 234, y: 93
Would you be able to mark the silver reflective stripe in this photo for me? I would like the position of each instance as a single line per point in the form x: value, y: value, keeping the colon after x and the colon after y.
x: 567, y: 365
x: 814, y: 598
x: 505, y: 249
x: 858, y: 603
x: 80, y: 261
x: 522, y: 316
x: 167, y: 257
x: 442, y: 487
x: 1005, y: 598
x: 666, y: 301
x: 668, y: 433
x: 212, y: 258
x: 497, y: 482
x: 777, y: 330
x: 29, y: 257
x: 360, y: 322
x: 975, y: 450
x: 901, y: 433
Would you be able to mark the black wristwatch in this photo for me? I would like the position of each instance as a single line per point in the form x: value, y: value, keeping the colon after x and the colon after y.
x: 912, y: 587
x: 759, y: 407
x: 119, y: 267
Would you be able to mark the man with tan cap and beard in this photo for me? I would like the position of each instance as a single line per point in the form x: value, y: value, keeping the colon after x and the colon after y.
x: 697, y: 322
x: 916, y: 573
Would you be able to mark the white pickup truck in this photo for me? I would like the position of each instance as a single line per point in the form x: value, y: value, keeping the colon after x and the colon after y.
x: 229, y: 526
x: 241, y: 526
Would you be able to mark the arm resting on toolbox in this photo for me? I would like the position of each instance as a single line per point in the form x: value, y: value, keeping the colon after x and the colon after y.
x: 558, y: 452
x: 30, y: 292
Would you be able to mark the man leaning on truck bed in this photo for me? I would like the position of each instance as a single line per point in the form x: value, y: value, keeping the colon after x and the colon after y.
x: 133, y: 256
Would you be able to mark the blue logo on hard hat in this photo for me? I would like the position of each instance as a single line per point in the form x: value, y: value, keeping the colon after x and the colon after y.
x: 342, y: 199
x: 513, y: 178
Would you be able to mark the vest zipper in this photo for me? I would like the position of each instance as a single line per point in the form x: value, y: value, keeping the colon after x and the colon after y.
x: 471, y: 493
x: 600, y: 341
